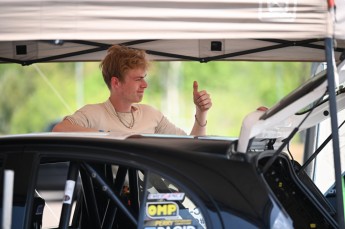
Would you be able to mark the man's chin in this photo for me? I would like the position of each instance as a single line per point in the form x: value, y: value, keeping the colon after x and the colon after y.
x: 140, y: 98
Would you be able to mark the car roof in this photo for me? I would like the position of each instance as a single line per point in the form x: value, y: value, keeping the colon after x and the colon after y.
x: 216, y: 145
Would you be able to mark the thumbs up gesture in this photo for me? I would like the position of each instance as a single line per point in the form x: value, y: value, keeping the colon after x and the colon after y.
x: 202, y: 99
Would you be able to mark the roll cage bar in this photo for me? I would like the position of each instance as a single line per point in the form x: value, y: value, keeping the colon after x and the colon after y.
x: 98, y: 184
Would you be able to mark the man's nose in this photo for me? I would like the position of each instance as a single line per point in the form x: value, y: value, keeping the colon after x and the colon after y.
x: 144, y: 84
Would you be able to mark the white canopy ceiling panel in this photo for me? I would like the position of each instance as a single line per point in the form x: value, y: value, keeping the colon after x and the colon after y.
x: 161, y: 19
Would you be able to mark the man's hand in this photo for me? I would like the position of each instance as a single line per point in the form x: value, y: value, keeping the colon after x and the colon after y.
x: 202, y: 99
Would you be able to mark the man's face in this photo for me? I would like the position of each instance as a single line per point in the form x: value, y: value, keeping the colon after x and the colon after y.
x: 133, y: 87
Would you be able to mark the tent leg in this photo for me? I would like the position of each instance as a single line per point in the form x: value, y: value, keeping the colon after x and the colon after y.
x: 335, y: 134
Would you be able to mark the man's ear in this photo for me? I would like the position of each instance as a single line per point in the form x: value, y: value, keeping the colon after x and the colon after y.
x: 114, y: 81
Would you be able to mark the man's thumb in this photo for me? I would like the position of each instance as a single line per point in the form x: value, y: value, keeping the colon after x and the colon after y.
x: 195, y: 87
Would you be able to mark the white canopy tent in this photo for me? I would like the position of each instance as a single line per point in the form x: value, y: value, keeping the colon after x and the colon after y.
x: 206, y: 30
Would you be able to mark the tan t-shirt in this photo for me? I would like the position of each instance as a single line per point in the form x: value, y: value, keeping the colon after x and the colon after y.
x: 102, y: 116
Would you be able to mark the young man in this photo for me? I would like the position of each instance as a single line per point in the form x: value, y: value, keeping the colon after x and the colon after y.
x: 124, y: 71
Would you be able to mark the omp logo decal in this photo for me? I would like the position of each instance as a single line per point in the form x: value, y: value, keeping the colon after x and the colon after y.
x: 161, y: 210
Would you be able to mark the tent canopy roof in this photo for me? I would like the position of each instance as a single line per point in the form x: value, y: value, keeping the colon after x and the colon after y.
x: 203, y: 30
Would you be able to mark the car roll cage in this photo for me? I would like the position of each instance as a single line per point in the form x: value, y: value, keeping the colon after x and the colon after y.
x: 102, y: 188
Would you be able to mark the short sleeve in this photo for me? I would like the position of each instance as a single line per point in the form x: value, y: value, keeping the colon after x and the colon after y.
x: 78, y: 118
x: 88, y: 116
x: 166, y: 127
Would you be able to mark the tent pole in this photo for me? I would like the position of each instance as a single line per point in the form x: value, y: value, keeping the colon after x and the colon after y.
x: 335, y: 134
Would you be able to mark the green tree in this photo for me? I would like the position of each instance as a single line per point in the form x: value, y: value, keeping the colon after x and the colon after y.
x: 16, y: 85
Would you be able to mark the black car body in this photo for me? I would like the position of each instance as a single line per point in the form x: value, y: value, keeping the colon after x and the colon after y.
x: 227, y: 188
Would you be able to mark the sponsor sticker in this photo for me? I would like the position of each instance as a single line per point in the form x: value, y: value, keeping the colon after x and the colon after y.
x: 69, y: 189
x: 166, y: 196
x: 176, y: 222
x: 162, y: 210
x: 277, y: 10
x: 197, y: 216
x: 173, y: 227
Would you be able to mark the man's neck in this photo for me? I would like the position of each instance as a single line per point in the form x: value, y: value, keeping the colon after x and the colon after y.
x: 120, y: 106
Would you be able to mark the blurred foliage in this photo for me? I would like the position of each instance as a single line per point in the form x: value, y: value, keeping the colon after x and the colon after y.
x: 236, y: 88
x: 34, y: 96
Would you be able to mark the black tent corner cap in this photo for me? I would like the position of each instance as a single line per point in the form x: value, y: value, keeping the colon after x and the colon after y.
x: 216, y: 46
x: 21, y: 50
